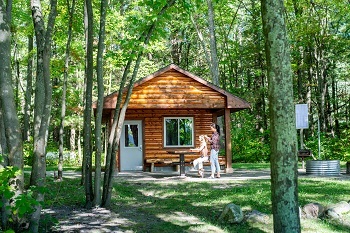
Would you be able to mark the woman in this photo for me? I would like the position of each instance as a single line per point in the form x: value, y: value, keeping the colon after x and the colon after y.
x: 203, y: 150
x: 214, y: 140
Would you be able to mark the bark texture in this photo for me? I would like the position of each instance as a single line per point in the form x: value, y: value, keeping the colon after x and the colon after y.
x: 43, y: 96
x: 87, y: 151
x: 9, y: 120
x: 100, y: 87
x: 284, y: 188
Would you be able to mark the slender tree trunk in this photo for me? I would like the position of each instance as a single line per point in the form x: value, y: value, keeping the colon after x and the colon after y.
x: 259, y: 77
x: 214, y: 66
x: 119, y: 114
x: 201, y: 40
x: 43, y: 96
x: 112, y: 143
x: 64, y: 90
x: 9, y: 118
x: 29, y: 90
x: 284, y: 170
x: 17, y: 74
x: 3, y: 141
x: 72, y: 139
x: 98, y: 122
x: 89, y: 195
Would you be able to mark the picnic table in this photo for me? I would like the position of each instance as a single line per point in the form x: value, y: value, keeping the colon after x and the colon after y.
x: 182, y: 154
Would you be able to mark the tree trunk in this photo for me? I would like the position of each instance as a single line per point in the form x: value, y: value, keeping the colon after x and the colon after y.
x: 98, y: 122
x: 284, y: 170
x: 43, y: 98
x: 214, y: 66
x: 3, y: 141
x: 64, y: 91
x: 29, y: 90
x: 113, y: 144
x: 201, y: 40
x: 87, y: 151
x: 119, y: 114
x: 9, y: 118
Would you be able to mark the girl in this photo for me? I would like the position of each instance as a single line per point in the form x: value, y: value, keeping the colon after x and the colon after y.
x: 203, y: 149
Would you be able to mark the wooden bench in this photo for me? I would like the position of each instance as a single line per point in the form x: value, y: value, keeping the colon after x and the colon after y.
x: 171, y: 161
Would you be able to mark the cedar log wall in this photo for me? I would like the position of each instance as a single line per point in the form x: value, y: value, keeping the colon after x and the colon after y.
x: 153, y: 129
x: 173, y: 90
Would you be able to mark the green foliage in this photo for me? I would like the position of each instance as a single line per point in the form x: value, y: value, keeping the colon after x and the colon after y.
x: 332, y: 148
x: 6, y: 174
x: 249, y: 145
x: 21, y: 205
x: 28, y: 153
x: 24, y: 203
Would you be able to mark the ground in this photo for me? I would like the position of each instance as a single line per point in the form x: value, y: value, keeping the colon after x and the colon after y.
x: 78, y: 219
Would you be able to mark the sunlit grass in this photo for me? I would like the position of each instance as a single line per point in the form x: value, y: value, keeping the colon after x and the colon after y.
x: 152, y: 206
x: 202, y: 203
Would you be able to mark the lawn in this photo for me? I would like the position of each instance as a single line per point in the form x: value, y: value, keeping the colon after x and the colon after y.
x: 187, y: 206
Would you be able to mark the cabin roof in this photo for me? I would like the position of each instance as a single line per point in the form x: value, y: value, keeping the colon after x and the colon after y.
x: 229, y: 100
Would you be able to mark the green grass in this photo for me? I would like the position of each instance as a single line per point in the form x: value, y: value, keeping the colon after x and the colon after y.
x: 150, y: 206
x: 251, y: 166
x: 54, y: 168
x: 203, y: 203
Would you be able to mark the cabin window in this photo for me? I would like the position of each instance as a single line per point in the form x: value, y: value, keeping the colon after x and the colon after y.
x: 131, y: 135
x: 178, y: 131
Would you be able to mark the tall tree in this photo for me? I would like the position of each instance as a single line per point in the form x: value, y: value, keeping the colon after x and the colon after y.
x: 29, y: 90
x: 43, y: 96
x: 119, y: 115
x: 71, y: 9
x: 89, y: 72
x: 214, y: 65
x: 100, y: 87
x: 9, y: 118
x: 284, y: 162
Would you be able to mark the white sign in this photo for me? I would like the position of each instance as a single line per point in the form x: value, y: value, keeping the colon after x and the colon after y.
x: 301, y: 116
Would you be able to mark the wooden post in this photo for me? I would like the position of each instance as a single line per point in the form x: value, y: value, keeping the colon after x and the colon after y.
x: 228, y: 148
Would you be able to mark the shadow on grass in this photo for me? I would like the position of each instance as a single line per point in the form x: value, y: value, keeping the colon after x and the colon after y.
x: 181, y: 206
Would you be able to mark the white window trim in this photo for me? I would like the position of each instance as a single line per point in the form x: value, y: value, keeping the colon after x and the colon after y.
x: 164, y: 135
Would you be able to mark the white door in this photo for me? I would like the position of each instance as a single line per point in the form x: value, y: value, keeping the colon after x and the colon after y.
x: 131, y: 146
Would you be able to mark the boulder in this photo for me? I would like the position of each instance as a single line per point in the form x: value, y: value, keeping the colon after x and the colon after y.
x: 312, y: 210
x: 337, y: 210
x: 257, y: 217
x: 231, y: 214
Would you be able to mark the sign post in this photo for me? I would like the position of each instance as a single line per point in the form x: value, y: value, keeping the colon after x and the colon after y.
x: 302, y: 116
x: 302, y: 120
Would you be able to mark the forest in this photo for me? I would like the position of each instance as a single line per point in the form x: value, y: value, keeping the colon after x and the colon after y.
x: 58, y: 57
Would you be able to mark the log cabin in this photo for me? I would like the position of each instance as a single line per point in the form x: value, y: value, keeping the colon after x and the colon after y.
x: 167, y: 111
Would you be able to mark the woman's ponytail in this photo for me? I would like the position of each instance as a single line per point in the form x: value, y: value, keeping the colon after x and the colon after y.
x: 217, y: 128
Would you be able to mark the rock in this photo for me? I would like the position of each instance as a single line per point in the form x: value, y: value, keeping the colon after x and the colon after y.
x: 335, y: 211
x: 312, y: 210
x: 257, y: 217
x: 340, y: 207
x: 232, y: 214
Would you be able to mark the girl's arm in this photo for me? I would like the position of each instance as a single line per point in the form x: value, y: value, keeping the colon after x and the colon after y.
x: 209, y: 139
x: 202, y: 146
